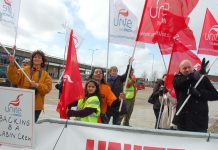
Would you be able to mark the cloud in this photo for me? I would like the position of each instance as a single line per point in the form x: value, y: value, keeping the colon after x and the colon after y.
x: 94, y: 14
x: 38, y: 23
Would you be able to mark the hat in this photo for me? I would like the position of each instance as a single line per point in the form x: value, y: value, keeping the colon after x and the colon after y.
x: 25, y: 61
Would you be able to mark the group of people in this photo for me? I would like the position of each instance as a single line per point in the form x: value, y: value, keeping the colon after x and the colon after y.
x: 193, y: 116
x: 102, y: 99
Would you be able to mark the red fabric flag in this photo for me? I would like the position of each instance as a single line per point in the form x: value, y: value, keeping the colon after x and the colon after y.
x: 179, y: 53
x: 209, y: 36
x: 163, y: 19
x: 72, y: 83
x: 185, y: 37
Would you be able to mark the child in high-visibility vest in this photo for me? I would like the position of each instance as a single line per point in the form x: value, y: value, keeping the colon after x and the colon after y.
x: 88, y: 108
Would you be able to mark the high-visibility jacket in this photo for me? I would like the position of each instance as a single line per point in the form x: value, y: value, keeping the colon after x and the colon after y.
x: 130, y: 92
x: 91, y: 102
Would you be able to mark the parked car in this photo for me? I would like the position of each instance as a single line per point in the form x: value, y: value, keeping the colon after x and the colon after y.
x: 140, y: 83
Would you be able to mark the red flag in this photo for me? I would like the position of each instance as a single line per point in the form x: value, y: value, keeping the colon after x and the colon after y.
x: 72, y: 83
x: 163, y: 19
x: 209, y: 36
x: 185, y: 37
x: 179, y: 53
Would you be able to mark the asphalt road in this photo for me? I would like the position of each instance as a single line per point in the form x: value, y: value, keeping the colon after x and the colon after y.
x: 142, y: 116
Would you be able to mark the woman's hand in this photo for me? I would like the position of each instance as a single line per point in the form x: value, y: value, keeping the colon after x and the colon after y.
x: 131, y: 60
x: 33, y: 84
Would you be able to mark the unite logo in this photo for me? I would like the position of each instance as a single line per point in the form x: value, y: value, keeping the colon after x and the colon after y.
x: 8, y: 2
x: 159, y: 11
x: 197, y: 66
x: 212, y: 34
x: 13, y: 107
x: 7, y: 9
x: 67, y: 77
x: 123, y: 20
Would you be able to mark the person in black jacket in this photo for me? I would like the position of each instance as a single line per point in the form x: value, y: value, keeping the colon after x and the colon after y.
x: 194, y: 115
x: 116, y: 83
x: 59, y: 87
x: 158, y: 90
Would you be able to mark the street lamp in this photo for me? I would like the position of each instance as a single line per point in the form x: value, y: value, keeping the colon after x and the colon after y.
x: 65, y: 49
x: 152, y: 68
x: 93, y: 50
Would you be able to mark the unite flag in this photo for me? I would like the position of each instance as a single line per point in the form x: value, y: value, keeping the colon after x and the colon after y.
x: 72, y: 83
x: 9, y: 12
x: 163, y: 21
x: 209, y: 36
x: 179, y: 53
x: 123, y: 24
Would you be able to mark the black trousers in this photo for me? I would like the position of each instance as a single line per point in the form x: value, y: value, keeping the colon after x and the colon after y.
x: 111, y: 112
x: 156, y: 113
x: 37, y: 113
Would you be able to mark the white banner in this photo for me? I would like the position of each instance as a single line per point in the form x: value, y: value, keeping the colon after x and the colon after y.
x: 123, y: 24
x: 9, y: 12
x: 85, y: 136
x: 17, y: 116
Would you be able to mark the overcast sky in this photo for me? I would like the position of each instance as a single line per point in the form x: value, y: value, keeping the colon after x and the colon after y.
x: 41, y: 22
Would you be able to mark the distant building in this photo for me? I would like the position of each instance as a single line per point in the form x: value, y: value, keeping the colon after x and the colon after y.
x: 213, y: 78
x: 54, y: 66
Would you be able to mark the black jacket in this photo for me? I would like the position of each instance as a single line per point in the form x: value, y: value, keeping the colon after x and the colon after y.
x: 156, y: 92
x: 117, y: 85
x: 194, y: 115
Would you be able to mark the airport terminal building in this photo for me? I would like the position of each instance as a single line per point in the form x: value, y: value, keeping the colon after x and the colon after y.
x: 54, y: 65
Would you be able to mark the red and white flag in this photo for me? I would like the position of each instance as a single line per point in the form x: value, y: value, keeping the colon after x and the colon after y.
x: 209, y: 36
x: 72, y: 83
x: 163, y: 19
x: 185, y: 37
x: 123, y: 24
x: 9, y: 12
x: 179, y: 53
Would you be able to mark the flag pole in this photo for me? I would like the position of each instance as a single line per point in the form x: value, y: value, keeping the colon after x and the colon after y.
x: 15, y: 41
x: 127, y: 76
x: 15, y: 62
x: 65, y: 49
x: 186, y: 100
x: 16, y: 30
x: 160, y: 112
x: 108, y: 41
x: 164, y: 63
x: 163, y: 59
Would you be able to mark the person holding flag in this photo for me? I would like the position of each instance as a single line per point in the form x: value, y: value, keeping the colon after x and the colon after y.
x: 194, y: 115
x: 158, y: 90
x: 107, y: 96
x: 88, y: 108
x: 130, y: 94
x: 41, y: 81
x: 116, y: 83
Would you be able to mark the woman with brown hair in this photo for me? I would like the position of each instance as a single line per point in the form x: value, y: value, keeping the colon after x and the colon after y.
x: 41, y: 81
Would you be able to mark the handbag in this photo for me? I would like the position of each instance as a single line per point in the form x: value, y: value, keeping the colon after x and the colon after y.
x: 151, y: 99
